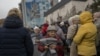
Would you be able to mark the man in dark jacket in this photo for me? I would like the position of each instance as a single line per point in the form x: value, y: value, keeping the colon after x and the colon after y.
x: 15, y: 40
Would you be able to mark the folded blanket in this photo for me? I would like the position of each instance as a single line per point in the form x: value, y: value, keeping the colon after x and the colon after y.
x: 48, y: 41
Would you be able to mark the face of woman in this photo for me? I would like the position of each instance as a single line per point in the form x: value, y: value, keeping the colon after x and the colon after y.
x: 52, y: 33
x: 75, y: 21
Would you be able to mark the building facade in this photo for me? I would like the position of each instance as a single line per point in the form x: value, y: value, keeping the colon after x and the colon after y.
x: 66, y: 9
x: 33, y: 12
x: 53, y: 2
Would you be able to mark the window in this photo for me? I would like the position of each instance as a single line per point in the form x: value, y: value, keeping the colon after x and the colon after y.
x: 47, y: 5
x: 43, y: 2
x: 44, y: 8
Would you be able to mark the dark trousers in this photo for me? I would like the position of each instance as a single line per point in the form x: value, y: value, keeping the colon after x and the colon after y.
x: 98, y: 51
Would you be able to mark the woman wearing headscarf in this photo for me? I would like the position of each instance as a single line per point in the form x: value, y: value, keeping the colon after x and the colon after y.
x: 97, y: 19
x: 15, y: 40
x: 72, y: 30
x: 50, y: 47
x: 86, y: 35
x: 97, y: 23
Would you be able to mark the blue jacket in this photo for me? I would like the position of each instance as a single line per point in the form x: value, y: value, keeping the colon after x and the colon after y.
x: 14, y: 38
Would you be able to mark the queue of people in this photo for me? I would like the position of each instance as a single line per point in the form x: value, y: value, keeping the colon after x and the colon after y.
x: 79, y: 36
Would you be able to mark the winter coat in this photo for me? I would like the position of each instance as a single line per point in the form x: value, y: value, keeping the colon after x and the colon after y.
x: 15, y: 40
x: 97, y: 23
x: 60, y: 33
x: 72, y: 30
x: 86, y: 35
x: 38, y: 37
x: 59, y: 48
x: 44, y: 29
x: 64, y: 28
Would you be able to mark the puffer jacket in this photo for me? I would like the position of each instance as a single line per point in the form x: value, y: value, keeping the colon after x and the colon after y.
x: 86, y: 35
x: 15, y: 40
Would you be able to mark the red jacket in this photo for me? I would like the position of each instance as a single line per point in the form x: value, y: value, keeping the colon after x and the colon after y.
x: 44, y: 29
x: 59, y: 48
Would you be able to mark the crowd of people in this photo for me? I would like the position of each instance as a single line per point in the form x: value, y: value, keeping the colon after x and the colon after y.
x: 79, y: 36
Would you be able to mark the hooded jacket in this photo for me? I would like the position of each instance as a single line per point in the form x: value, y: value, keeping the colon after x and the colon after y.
x: 86, y: 35
x: 14, y: 38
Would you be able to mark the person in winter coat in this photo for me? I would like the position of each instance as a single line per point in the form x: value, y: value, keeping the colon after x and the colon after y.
x: 64, y: 26
x: 86, y: 35
x: 97, y: 19
x: 58, y: 48
x: 37, y: 35
x: 72, y: 30
x: 44, y: 28
x: 59, y: 30
x: 97, y: 23
x: 36, y: 38
x: 15, y: 40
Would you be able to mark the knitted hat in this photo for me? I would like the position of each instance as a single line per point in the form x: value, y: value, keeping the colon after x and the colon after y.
x: 51, y: 28
x: 76, y: 17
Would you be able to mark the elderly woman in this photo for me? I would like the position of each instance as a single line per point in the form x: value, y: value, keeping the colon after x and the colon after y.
x: 97, y: 23
x: 72, y: 30
x: 97, y: 19
x: 51, y: 48
x: 15, y: 40
x: 86, y: 35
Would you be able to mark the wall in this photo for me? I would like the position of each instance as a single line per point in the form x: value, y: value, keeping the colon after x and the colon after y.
x: 68, y: 10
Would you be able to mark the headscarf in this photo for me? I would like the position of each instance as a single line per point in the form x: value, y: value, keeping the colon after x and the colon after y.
x: 70, y: 21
